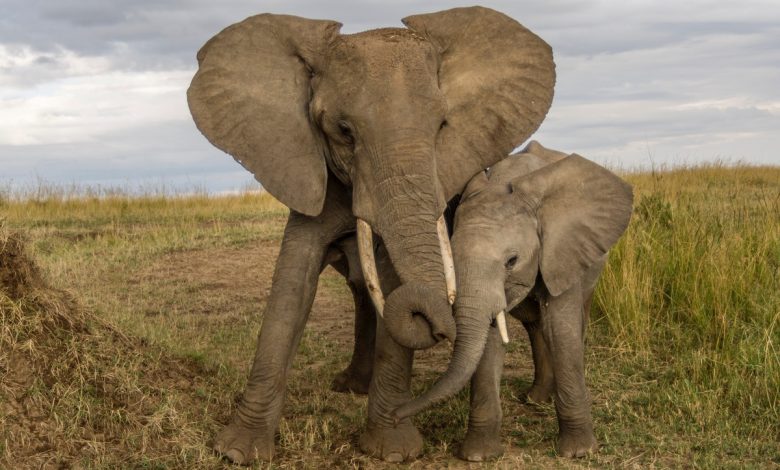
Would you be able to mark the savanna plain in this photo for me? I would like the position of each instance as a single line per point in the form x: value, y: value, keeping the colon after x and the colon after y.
x: 128, y: 324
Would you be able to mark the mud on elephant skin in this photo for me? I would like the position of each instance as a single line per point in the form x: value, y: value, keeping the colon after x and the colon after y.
x: 377, y: 129
x: 531, y: 237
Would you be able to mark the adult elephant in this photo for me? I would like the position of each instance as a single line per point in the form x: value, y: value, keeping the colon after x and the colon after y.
x: 385, y: 127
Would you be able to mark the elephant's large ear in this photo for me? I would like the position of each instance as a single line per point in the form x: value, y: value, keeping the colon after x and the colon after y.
x: 498, y: 78
x: 582, y: 209
x: 250, y: 99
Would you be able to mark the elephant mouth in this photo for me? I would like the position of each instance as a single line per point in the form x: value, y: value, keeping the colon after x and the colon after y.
x: 416, y: 316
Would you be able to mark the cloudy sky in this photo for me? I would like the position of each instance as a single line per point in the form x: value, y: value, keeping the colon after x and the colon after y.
x: 93, y: 91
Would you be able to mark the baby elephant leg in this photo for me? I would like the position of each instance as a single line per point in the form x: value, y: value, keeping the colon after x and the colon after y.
x: 483, y: 439
x: 544, y: 381
x: 562, y: 319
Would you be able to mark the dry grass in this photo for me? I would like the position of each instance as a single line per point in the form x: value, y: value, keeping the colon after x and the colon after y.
x: 682, y: 354
x: 75, y: 391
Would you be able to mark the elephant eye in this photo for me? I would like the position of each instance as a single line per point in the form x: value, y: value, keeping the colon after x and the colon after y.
x: 344, y: 128
x: 345, y: 132
x: 443, y: 124
x: 510, y: 263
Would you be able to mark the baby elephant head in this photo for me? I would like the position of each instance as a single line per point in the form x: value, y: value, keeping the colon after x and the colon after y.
x: 528, y: 223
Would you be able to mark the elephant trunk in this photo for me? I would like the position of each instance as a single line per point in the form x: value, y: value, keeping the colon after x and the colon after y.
x: 418, y: 313
x: 368, y: 262
x: 480, y: 300
x: 405, y: 208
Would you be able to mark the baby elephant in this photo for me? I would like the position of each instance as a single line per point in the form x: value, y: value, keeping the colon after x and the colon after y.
x: 531, y: 237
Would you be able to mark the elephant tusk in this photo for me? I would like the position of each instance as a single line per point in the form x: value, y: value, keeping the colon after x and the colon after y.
x: 501, y: 322
x: 446, y: 257
x: 365, y: 239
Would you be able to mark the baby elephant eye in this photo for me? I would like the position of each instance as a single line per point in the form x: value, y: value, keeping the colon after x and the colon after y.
x: 510, y: 263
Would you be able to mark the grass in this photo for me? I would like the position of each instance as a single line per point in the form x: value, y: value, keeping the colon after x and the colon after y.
x: 164, y: 295
x: 697, y: 277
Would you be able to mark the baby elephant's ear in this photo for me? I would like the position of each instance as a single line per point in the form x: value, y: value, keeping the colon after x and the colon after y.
x: 582, y: 209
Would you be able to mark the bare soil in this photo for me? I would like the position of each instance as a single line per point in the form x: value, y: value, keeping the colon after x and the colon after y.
x: 237, y: 279
x: 227, y: 280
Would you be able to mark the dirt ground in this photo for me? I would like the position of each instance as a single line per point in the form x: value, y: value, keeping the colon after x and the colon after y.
x: 230, y: 280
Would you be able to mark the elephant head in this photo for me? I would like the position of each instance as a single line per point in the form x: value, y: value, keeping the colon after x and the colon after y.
x: 402, y: 116
x: 543, y: 230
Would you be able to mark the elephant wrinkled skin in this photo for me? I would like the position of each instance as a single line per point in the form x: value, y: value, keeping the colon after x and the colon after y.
x: 385, y: 127
x: 531, y: 238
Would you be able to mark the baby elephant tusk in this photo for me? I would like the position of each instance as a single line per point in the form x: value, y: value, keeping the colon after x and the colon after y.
x: 501, y: 322
x: 446, y: 257
x: 365, y: 239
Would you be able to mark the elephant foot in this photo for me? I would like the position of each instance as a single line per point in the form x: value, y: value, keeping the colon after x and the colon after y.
x: 242, y: 445
x: 577, y: 443
x: 539, y: 394
x: 481, y: 445
x: 351, y: 381
x: 396, y: 444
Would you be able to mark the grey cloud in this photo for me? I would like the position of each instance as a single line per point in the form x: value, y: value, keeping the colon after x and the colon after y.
x: 626, y: 72
x: 84, y: 14
x: 172, y: 153
x: 664, y: 134
x: 169, y: 32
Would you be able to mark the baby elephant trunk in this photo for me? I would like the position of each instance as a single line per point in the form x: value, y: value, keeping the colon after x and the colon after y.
x: 469, y: 346
x: 481, y: 300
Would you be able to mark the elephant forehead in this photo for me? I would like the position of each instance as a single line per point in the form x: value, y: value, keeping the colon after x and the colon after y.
x: 484, y: 210
x: 487, y: 199
x: 387, y: 48
x: 395, y: 38
x: 396, y: 35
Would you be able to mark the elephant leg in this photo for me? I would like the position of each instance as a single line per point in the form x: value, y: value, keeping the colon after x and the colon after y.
x: 250, y: 434
x: 390, y: 387
x: 544, y: 380
x: 562, y: 319
x: 483, y: 439
x: 587, y: 304
x: 357, y: 376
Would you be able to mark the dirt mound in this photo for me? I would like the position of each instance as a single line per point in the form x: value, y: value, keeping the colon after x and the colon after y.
x: 18, y: 274
x: 73, y: 388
